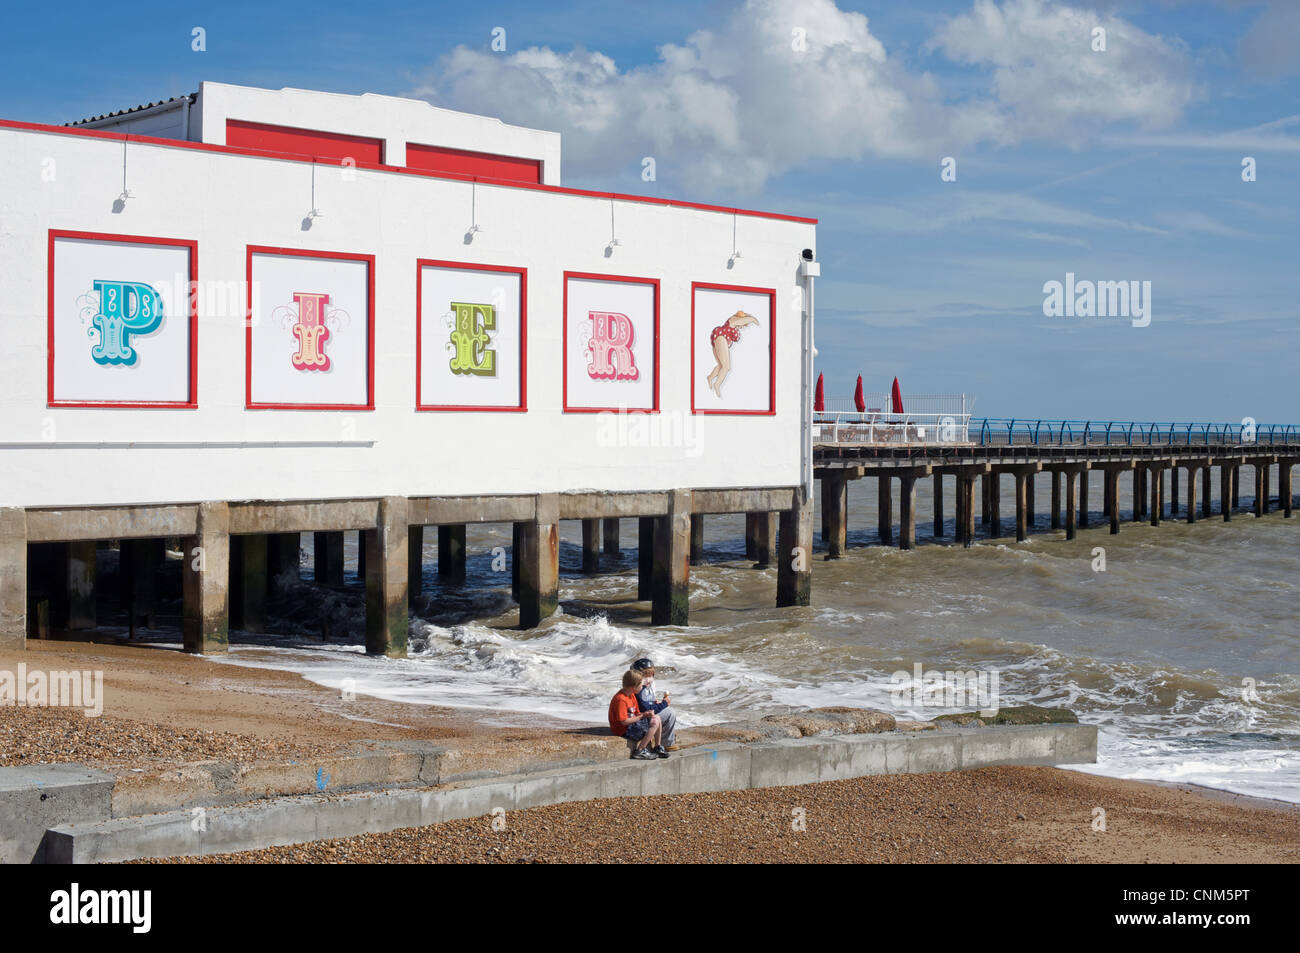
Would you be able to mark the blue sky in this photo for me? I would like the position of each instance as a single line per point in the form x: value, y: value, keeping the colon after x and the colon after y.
x: 1122, y: 164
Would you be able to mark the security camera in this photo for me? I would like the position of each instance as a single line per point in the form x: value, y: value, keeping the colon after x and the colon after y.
x: 807, y: 254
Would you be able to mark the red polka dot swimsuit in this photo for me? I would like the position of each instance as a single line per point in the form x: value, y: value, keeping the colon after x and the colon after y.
x: 727, y: 331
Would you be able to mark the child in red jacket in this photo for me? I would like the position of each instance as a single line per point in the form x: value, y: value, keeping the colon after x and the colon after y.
x: 641, y: 728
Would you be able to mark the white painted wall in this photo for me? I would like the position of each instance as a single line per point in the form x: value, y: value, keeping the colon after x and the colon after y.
x: 227, y: 202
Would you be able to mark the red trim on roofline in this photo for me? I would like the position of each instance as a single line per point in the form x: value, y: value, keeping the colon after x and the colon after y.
x: 443, y: 160
x: 336, y: 146
x: 377, y: 167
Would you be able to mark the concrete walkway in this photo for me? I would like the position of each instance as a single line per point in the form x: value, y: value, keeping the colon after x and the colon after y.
x: 86, y: 831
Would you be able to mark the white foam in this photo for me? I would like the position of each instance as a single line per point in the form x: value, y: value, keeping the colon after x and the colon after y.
x: 1200, y: 731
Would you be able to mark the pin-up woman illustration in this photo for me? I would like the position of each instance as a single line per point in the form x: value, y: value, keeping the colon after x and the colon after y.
x: 721, y: 338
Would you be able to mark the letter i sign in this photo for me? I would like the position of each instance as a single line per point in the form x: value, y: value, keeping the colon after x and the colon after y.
x: 311, y: 332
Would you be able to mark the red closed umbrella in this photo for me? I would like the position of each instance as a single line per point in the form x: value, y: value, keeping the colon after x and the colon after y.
x: 819, y: 398
x: 896, y: 397
x: 858, y: 400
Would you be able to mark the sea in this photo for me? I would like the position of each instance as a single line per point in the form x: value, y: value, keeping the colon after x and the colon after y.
x: 1179, y: 642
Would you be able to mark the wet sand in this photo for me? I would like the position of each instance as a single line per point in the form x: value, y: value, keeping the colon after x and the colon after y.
x: 163, y: 706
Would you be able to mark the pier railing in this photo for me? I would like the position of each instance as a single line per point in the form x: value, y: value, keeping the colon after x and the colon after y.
x: 958, y: 405
x: 928, y: 419
x: 875, y: 427
x: 1010, y: 431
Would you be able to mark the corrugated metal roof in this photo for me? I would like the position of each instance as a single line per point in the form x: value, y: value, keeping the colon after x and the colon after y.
x: 192, y: 97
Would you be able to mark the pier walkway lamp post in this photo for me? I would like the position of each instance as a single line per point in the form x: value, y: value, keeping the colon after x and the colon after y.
x: 809, y: 269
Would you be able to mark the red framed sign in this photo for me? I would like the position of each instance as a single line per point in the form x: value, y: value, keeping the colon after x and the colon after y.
x: 611, y: 343
x: 309, y: 340
x: 471, y: 336
x: 122, y: 321
x: 733, y: 349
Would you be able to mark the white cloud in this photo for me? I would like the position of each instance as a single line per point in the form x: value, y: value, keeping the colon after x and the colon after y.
x: 732, y: 106
x: 1050, y: 81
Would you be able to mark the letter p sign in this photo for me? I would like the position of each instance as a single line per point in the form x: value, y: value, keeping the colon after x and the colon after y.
x: 125, y: 309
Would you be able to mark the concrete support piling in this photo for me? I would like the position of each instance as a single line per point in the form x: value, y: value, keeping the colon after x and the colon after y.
x: 1236, y: 487
x: 1112, y: 499
x: 1261, y: 488
x: 1157, y: 484
x: 451, y: 552
x: 765, y: 536
x: 516, y: 558
x: 884, y: 510
x: 938, y: 506
x: 994, y: 481
x: 80, y: 579
x: 415, y: 562
x: 1030, y: 508
x: 539, y: 569
x: 1022, y: 508
x: 959, y: 505
x: 751, y: 535
x: 645, y: 557
x: 697, y: 537
x: 1207, y: 492
x: 248, y: 582
x: 672, y: 563
x: 138, y: 562
x: 328, y: 551
x: 387, y: 548
x: 1284, y: 486
x: 612, y: 542
x: 1193, y: 473
x: 794, y: 552
x: 907, y: 511
x: 1071, y: 504
x: 1083, y: 499
x: 13, y: 578
x: 1173, y: 492
x: 205, y: 577
x: 966, y: 483
x: 1056, y: 499
x: 284, y: 556
x: 591, y: 545
x: 1225, y: 491
x: 835, y: 513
